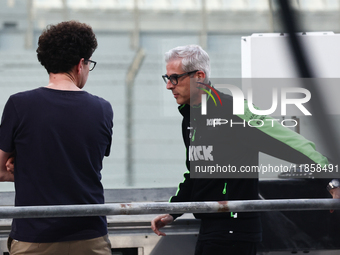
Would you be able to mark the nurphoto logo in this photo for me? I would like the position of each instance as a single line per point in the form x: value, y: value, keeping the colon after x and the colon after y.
x: 239, y: 99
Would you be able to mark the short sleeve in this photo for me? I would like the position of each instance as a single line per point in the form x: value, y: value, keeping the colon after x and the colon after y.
x: 8, y: 126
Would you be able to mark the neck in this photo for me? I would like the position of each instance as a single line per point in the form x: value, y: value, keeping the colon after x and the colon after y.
x: 62, y: 81
x: 196, y: 99
x: 196, y: 103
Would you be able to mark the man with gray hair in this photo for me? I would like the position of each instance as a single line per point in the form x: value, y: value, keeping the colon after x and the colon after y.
x: 238, y: 146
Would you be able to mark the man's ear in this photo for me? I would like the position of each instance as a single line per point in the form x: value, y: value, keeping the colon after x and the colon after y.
x: 200, y: 75
x: 80, y: 66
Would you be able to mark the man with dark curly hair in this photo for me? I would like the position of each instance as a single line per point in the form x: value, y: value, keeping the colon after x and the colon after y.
x: 59, y: 136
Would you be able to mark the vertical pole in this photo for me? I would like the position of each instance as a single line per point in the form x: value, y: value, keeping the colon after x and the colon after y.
x: 29, y: 29
x: 130, y: 78
x: 66, y: 15
x: 128, y: 130
x: 271, y: 16
x: 136, y: 28
x: 204, y: 28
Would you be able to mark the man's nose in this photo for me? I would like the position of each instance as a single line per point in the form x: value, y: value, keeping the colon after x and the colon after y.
x: 169, y: 85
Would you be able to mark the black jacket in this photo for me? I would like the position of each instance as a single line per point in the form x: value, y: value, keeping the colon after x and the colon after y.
x: 221, y: 139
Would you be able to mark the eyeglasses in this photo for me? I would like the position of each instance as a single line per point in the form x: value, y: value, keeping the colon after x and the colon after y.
x: 174, y: 77
x: 92, y: 64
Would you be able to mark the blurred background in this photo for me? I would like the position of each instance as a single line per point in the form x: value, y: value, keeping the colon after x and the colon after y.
x: 133, y: 35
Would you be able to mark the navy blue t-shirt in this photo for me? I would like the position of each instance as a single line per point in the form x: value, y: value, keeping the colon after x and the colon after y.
x: 60, y: 139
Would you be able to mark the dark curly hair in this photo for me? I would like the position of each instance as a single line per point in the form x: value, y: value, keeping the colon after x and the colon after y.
x: 61, y: 46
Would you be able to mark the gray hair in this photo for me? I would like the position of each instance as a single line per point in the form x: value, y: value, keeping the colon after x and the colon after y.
x: 193, y: 58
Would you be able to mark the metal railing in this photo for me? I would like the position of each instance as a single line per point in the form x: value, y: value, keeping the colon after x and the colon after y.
x: 165, y: 207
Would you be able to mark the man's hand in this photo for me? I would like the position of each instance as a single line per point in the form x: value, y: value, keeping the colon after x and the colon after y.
x: 6, y: 174
x: 10, y: 165
x: 335, y: 194
x: 159, y: 222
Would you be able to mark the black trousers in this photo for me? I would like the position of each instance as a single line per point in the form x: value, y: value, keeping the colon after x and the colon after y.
x: 225, y: 247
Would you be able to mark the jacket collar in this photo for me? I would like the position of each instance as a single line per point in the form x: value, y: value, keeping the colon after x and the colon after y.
x: 185, y: 109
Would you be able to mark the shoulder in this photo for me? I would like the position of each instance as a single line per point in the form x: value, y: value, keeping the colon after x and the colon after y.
x: 226, y: 100
x: 101, y: 102
x: 25, y: 97
x: 98, y: 99
x: 26, y: 94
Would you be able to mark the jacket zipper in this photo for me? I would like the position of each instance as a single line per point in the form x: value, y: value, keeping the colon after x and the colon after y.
x: 232, y: 215
x: 194, y: 132
x: 225, y: 189
x: 193, y: 135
